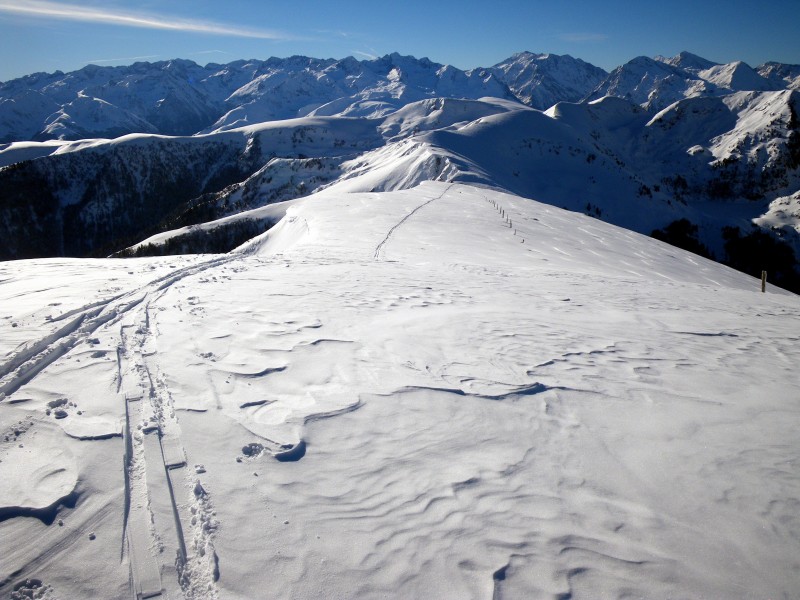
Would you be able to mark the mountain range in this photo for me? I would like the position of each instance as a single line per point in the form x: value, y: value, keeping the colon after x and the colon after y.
x: 704, y: 155
x: 180, y: 97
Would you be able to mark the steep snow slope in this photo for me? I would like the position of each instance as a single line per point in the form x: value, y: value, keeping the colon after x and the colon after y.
x: 736, y: 76
x: 92, y: 117
x: 23, y: 112
x: 539, y: 156
x: 719, y: 160
x: 652, y: 84
x: 442, y: 392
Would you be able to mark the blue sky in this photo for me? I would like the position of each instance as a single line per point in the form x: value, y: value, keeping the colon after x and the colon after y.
x: 46, y: 35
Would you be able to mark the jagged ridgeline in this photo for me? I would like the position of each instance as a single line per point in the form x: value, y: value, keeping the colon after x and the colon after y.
x: 682, y: 147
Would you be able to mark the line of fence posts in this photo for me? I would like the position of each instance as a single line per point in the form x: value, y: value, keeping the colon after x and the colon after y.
x: 510, y: 225
x: 509, y: 221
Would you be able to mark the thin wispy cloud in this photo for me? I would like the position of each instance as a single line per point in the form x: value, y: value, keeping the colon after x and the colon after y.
x: 89, y: 14
x: 366, y: 55
x: 583, y: 37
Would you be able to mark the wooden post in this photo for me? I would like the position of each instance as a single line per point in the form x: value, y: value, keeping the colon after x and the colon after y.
x: 763, y: 281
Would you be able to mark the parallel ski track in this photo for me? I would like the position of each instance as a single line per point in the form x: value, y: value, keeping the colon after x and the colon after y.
x: 27, y: 362
x: 80, y: 324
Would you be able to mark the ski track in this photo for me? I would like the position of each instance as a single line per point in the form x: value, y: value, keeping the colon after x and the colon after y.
x: 379, y: 247
x: 147, y: 401
x: 157, y: 473
x: 24, y: 364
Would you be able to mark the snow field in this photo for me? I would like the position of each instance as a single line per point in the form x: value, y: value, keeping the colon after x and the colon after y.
x: 487, y: 396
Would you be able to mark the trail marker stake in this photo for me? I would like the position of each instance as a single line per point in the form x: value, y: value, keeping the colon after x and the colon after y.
x: 763, y: 281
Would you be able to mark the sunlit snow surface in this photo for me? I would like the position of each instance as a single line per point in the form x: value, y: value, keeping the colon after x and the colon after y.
x: 468, y: 403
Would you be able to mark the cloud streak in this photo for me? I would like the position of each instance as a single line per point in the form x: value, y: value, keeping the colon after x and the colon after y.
x: 73, y: 12
x: 366, y: 55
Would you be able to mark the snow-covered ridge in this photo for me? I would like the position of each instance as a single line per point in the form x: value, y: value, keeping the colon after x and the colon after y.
x: 716, y: 161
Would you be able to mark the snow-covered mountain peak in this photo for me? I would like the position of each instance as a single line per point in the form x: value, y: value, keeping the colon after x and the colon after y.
x: 181, y: 97
x: 781, y: 75
x: 526, y: 56
x: 541, y: 80
x: 687, y: 61
x: 653, y: 129
x: 644, y: 81
x: 657, y: 83
x: 736, y: 76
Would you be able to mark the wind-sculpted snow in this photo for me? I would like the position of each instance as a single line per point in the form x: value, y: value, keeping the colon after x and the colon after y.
x: 39, y: 479
x: 443, y: 392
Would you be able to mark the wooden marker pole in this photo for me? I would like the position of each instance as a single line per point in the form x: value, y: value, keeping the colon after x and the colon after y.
x: 763, y: 281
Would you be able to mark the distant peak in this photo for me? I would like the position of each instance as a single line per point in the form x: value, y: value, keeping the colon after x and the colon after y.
x: 687, y: 60
x: 642, y: 61
x: 180, y: 62
x: 528, y: 53
x: 402, y: 62
x: 396, y: 57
